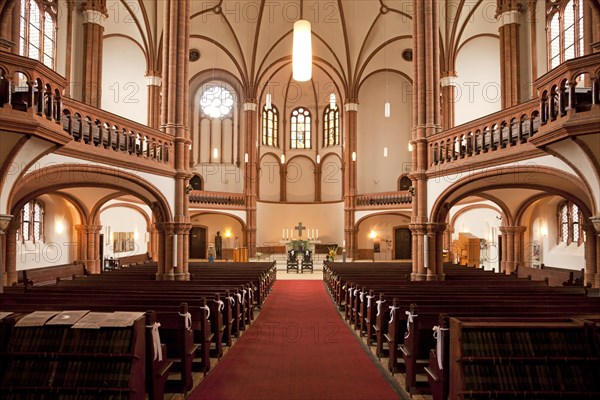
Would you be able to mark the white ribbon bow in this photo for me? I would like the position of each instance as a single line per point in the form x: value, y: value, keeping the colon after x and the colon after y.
x: 379, y: 303
x: 231, y: 300
x: 244, y: 291
x: 156, y: 341
x: 409, y: 321
x: 361, y: 294
x: 207, y: 311
x: 369, y: 300
x: 188, y: 320
x: 220, y: 303
x: 392, y: 312
x: 438, y: 334
x: 251, y: 292
x: 239, y: 296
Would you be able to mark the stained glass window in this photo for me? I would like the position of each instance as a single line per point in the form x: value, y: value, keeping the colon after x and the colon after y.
x: 300, y: 129
x: 575, y: 218
x: 37, y: 32
x: 270, y: 126
x: 32, y: 221
x: 216, y: 101
x: 565, y: 31
x: 331, y: 126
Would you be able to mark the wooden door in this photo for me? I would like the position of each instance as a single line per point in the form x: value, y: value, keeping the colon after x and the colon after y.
x: 402, y: 244
x: 198, y: 242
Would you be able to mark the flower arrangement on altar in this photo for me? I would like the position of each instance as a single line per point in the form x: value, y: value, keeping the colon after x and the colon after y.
x: 332, y: 252
x: 258, y: 255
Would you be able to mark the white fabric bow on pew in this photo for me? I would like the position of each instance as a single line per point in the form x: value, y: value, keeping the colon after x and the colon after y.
x: 239, y: 296
x: 392, y: 310
x: 156, y: 341
x: 438, y: 334
x: 379, y: 303
x: 362, y: 296
x: 231, y: 300
x: 369, y: 300
x: 207, y: 311
x: 409, y: 321
x: 188, y: 320
x: 244, y: 291
x: 220, y: 303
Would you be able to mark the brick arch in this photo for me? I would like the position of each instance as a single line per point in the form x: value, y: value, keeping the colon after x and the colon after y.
x: 471, y: 208
x: 79, y: 175
x: 137, y: 209
x: 547, y: 179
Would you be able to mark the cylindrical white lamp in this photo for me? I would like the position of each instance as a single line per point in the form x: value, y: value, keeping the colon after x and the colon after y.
x: 302, y: 51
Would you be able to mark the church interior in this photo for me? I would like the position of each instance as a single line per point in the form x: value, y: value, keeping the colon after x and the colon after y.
x: 225, y: 163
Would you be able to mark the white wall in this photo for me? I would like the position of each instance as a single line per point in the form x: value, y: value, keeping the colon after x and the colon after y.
x: 270, y: 178
x: 383, y: 227
x: 377, y: 173
x: 272, y: 218
x: 331, y: 178
x: 58, y: 248
x: 478, y: 69
x: 553, y: 254
x: 220, y: 223
x: 124, y: 90
x: 124, y: 219
x: 300, y: 179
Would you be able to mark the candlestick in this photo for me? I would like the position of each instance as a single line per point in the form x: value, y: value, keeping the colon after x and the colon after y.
x: 283, y: 234
x: 317, y: 234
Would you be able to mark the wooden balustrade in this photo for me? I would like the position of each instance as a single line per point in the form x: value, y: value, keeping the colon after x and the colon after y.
x: 200, y: 198
x: 568, y: 91
x: 103, y: 130
x: 384, y: 199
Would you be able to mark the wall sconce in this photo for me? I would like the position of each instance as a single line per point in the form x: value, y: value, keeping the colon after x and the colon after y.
x: 283, y: 158
x: 245, y: 157
x: 59, y: 227
x: 215, y: 153
x: 318, y: 159
x: 136, y: 234
x: 410, y: 147
x: 385, y: 151
x: 373, y: 235
x: 353, y: 156
x: 543, y: 230
x: 228, y: 233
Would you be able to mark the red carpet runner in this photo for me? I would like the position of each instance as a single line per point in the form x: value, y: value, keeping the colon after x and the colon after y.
x: 298, y: 348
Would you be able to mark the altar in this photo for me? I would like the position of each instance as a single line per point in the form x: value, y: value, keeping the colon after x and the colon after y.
x: 299, y: 244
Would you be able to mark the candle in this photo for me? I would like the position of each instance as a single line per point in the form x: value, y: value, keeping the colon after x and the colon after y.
x: 344, y: 243
x: 317, y: 234
x: 283, y: 233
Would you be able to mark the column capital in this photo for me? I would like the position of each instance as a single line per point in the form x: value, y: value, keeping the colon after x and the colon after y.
x: 4, y: 222
x: 509, y: 17
x: 448, y: 81
x: 351, y: 107
x: 511, y: 229
x: 250, y: 106
x: 596, y: 222
x: 418, y: 228
x: 153, y: 80
x: 94, y: 17
x: 434, y: 227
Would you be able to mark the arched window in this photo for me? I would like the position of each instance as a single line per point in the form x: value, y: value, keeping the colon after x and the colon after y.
x: 270, y: 126
x: 565, y: 31
x: 569, y: 219
x: 331, y: 126
x: 37, y: 31
x: 32, y: 221
x: 301, y: 131
x: 216, y: 101
x: 196, y: 182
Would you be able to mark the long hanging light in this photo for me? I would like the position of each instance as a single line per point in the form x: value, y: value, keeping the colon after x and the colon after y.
x: 302, y: 50
x: 387, y: 111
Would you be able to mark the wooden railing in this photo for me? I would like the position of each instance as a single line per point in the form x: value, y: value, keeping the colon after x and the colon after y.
x: 28, y: 86
x: 103, y: 130
x: 199, y: 198
x: 567, y: 93
x: 384, y: 199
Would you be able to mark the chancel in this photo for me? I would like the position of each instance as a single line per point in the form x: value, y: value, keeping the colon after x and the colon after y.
x: 174, y: 169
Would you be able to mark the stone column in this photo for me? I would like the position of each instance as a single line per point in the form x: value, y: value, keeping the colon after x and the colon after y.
x: 11, y: 251
x: 448, y: 242
x: 94, y: 16
x: 508, y: 248
x: 174, y: 121
x: 426, y: 117
x: 349, y: 173
x: 590, y: 248
x: 435, y: 264
x: 510, y: 77
x: 82, y: 251
x: 93, y: 250
x: 4, y: 223
x: 250, y: 109
x: 448, y: 83
x: 594, y: 279
x: 153, y: 242
x: 519, y: 247
x: 153, y: 81
x: 504, y: 245
x: 166, y: 233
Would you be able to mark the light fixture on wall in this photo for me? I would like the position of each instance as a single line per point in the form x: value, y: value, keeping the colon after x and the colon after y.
x: 385, y: 151
x: 59, y: 227
x: 332, y: 102
x: 228, y: 233
x: 283, y: 158
x: 410, y: 146
x: 353, y: 156
x: 318, y: 159
x: 268, y: 101
x: 544, y: 230
x: 373, y: 234
x: 302, y: 50
x: 215, y: 153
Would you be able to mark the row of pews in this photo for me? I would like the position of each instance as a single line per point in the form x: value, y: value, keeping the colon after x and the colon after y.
x: 475, y: 335
x: 176, y: 328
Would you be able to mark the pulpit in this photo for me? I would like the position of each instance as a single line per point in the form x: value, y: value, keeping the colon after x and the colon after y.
x: 240, y: 254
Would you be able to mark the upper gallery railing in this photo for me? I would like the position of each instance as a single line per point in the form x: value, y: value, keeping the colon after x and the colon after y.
x: 384, y: 199
x: 565, y: 92
x: 28, y: 86
x: 200, y: 198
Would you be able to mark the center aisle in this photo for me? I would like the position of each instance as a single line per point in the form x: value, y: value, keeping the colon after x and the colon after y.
x: 298, y: 348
